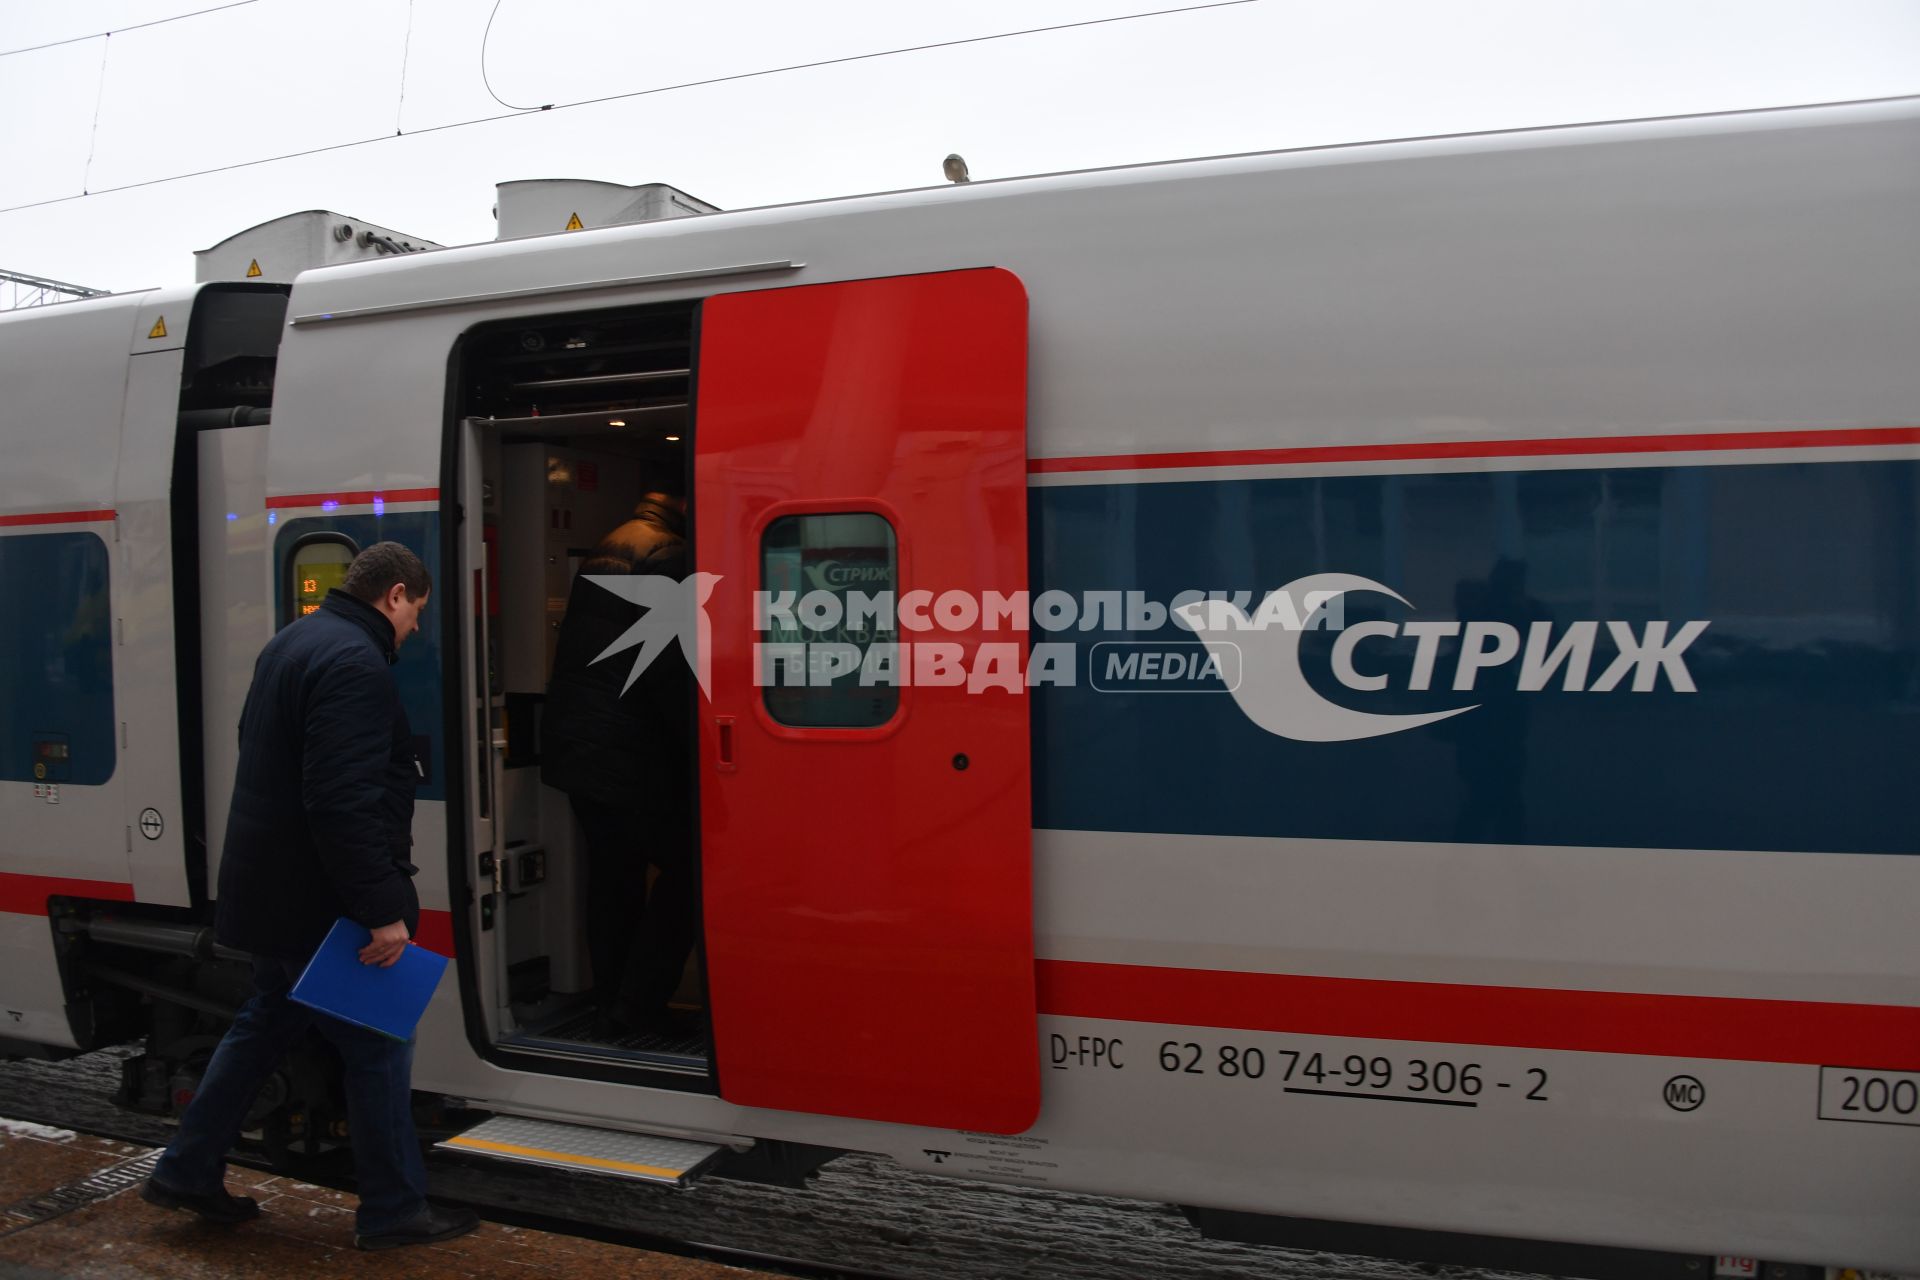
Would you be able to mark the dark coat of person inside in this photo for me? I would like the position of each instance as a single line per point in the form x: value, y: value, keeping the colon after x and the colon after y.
x: 622, y: 755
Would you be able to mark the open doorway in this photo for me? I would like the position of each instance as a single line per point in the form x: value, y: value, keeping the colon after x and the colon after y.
x: 578, y: 430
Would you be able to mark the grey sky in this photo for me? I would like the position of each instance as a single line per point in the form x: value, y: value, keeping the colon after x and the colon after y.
x: 282, y: 75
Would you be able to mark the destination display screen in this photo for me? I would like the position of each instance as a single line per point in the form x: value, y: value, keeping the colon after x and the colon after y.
x: 313, y: 579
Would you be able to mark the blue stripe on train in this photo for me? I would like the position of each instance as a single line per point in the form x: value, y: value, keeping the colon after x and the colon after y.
x: 1803, y: 734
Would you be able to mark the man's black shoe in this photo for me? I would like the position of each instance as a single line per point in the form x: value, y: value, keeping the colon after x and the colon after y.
x: 214, y: 1206
x: 428, y: 1227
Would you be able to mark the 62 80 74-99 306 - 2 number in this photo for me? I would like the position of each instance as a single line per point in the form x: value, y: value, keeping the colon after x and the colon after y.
x: 1384, y: 1077
x: 1432, y: 1080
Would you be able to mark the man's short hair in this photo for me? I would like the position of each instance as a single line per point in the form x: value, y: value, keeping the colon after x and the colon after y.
x: 375, y: 570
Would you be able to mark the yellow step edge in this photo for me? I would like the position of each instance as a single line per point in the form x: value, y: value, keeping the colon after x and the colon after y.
x: 564, y: 1157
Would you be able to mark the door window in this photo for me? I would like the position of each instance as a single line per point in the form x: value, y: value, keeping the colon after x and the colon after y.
x: 829, y: 655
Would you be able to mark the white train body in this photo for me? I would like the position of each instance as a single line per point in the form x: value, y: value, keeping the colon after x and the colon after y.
x: 1625, y: 955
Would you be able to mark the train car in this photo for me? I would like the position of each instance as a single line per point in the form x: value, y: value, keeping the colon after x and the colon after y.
x: 1183, y: 651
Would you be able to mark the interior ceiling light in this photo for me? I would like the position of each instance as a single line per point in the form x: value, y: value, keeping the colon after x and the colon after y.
x: 616, y: 422
x: 673, y: 439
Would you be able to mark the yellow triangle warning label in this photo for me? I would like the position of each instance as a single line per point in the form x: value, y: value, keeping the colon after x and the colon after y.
x: 159, y: 329
x: 574, y: 224
x: 253, y: 268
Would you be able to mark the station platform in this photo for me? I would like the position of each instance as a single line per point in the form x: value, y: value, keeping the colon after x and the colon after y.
x: 70, y: 1206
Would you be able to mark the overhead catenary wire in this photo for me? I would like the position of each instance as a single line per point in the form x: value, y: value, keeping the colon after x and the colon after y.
x: 406, y: 48
x: 834, y: 62
x: 99, y: 96
x: 131, y: 26
x: 486, y: 39
x: 521, y: 112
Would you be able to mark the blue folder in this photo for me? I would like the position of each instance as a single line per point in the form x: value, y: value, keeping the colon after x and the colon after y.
x: 388, y: 1000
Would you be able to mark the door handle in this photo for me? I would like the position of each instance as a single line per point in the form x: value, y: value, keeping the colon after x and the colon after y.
x: 723, y: 734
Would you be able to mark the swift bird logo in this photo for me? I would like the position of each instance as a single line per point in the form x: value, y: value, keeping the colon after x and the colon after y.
x: 1273, y: 692
x: 674, y: 611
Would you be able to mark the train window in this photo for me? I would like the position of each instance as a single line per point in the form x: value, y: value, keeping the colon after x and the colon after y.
x: 317, y: 564
x: 831, y: 661
x: 56, y: 685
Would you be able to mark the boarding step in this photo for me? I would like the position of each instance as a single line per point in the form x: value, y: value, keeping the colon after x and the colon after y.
x: 643, y: 1157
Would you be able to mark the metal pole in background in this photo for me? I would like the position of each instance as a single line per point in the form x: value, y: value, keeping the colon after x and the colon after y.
x: 18, y: 290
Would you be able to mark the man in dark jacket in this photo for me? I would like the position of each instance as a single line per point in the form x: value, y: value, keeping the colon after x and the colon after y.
x: 621, y: 755
x: 320, y: 828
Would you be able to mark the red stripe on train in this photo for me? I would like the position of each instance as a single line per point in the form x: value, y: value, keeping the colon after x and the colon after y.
x: 354, y: 497
x: 27, y: 896
x: 436, y: 931
x: 1667, y: 1026
x: 58, y: 517
x: 1811, y: 438
x: 24, y: 895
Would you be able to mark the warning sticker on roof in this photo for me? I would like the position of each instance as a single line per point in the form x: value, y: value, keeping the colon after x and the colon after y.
x: 253, y: 268
x: 574, y: 224
x: 159, y: 329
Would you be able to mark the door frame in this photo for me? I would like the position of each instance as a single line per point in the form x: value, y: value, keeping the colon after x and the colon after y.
x: 457, y: 676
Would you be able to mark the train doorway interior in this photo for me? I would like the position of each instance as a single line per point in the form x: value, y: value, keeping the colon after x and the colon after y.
x: 567, y: 423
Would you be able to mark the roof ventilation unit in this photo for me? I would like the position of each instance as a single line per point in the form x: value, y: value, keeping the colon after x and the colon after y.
x: 548, y: 206
x: 281, y: 248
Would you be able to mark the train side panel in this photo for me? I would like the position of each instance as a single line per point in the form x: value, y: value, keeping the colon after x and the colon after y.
x: 1621, y: 952
x: 1610, y: 357
x: 101, y: 772
x: 144, y: 491
x: 235, y: 615
x: 61, y: 793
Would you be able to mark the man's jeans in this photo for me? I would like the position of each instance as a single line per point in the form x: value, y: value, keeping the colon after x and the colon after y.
x: 386, y: 1153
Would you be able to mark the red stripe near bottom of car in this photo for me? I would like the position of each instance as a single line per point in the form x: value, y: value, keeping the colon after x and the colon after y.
x: 435, y: 932
x: 1886, y: 1037
x: 24, y: 895
x: 27, y: 896
x: 1811, y: 1032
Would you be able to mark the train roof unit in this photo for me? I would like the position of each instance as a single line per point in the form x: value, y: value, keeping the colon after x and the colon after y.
x: 277, y: 250
x: 547, y: 206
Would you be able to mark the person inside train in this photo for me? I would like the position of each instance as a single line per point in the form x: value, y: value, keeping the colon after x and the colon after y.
x: 621, y: 754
